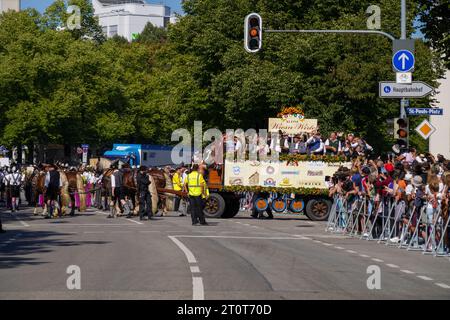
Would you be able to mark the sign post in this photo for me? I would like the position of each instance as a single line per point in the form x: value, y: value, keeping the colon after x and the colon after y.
x: 417, y: 89
x: 85, y: 148
x: 424, y: 111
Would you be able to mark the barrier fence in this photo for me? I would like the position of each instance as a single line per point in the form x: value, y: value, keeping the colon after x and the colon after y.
x: 391, y: 222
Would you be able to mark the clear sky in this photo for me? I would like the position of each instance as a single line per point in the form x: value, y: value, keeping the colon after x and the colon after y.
x: 42, y: 4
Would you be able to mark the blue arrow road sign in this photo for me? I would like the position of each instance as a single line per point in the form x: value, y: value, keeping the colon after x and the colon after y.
x: 403, y: 61
x: 424, y: 111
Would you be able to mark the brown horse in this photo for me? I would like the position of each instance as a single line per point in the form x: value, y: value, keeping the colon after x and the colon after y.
x: 37, y: 189
x: 72, y: 183
x: 129, y: 185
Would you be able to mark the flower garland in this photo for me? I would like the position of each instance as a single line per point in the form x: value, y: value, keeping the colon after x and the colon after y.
x: 305, y: 157
x: 295, y: 112
x: 300, y: 191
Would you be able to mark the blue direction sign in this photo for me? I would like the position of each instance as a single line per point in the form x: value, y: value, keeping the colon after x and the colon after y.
x: 403, y: 61
x: 424, y: 111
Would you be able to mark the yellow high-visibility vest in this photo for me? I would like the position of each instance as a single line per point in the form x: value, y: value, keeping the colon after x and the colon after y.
x: 195, y: 183
x: 176, y: 180
x: 206, y: 193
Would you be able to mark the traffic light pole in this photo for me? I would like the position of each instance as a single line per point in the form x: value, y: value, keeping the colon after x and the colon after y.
x: 391, y: 37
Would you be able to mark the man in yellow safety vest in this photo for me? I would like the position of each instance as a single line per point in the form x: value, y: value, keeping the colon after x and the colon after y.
x: 177, y: 181
x: 196, y: 186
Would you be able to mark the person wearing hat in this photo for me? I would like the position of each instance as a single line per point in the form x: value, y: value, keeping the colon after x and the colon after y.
x: 279, y: 142
x: 117, y: 193
x: 298, y: 146
x: 145, y: 199
x: 52, y: 186
x: 14, y: 180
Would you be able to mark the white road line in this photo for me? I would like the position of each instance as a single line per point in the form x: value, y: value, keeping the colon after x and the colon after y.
x: 198, y: 291
x: 390, y: 265
x: 339, y: 248
x: 137, y: 222
x: 189, y: 256
x: 443, y: 285
x: 351, y: 251
x: 327, y: 244
x: 424, y: 278
x: 364, y: 256
x: 21, y: 222
x: 377, y: 260
x: 407, y: 271
x: 237, y: 237
x: 59, y: 224
x: 195, y: 269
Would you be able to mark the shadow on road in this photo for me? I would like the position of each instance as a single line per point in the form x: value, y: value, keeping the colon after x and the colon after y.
x: 28, y: 245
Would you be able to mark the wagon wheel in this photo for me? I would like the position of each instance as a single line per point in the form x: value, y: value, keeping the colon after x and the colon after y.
x: 214, y: 206
x: 318, y: 209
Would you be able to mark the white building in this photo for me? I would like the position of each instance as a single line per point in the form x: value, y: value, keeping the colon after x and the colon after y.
x: 440, y: 140
x: 127, y: 18
x: 6, y: 5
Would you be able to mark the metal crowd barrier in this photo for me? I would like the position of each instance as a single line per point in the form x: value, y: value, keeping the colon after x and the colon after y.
x: 392, y: 223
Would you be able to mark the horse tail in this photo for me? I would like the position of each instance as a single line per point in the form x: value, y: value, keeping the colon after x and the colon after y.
x: 81, y: 193
x: 65, y: 196
x: 154, y: 194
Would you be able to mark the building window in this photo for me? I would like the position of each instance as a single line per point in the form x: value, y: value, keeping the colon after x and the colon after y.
x: 145, y: 156
x: 105, y: 30
x: 113, y: 30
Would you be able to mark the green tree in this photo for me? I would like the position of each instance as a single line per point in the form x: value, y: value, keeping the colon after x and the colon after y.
x: 56, y: 16
x: 152, y: 35
x: 334, y: 77
x: 434, y: 16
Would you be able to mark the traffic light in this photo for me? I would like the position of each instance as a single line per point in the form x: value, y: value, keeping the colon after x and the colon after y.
x: 253, y: 32
x: 401, y: 135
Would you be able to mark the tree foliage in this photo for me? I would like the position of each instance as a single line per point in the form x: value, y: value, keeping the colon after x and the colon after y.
x: 435, y: 18
x: 74, y: 86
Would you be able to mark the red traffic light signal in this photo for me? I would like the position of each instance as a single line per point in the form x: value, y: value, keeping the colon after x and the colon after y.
x: 253, y: 32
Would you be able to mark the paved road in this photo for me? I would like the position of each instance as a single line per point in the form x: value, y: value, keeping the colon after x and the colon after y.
x: 239, y: 258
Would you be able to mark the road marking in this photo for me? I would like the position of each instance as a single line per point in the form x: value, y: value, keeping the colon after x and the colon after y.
x: 21, y: 222
x: 351, y: 251
x: 390, y: 265
x: 60, y: 224
x: 364, y: 256
x: 424, y: 278
x: 195, y: 269
x: 407, y: 271
x: 377, y: 260
x: 443, y: 285
x: 189, y: 256
x: 137, y: 222
x: 339, y: 248
x: 326, y: 244
x: 198, y: 291
x: 237, y: 237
